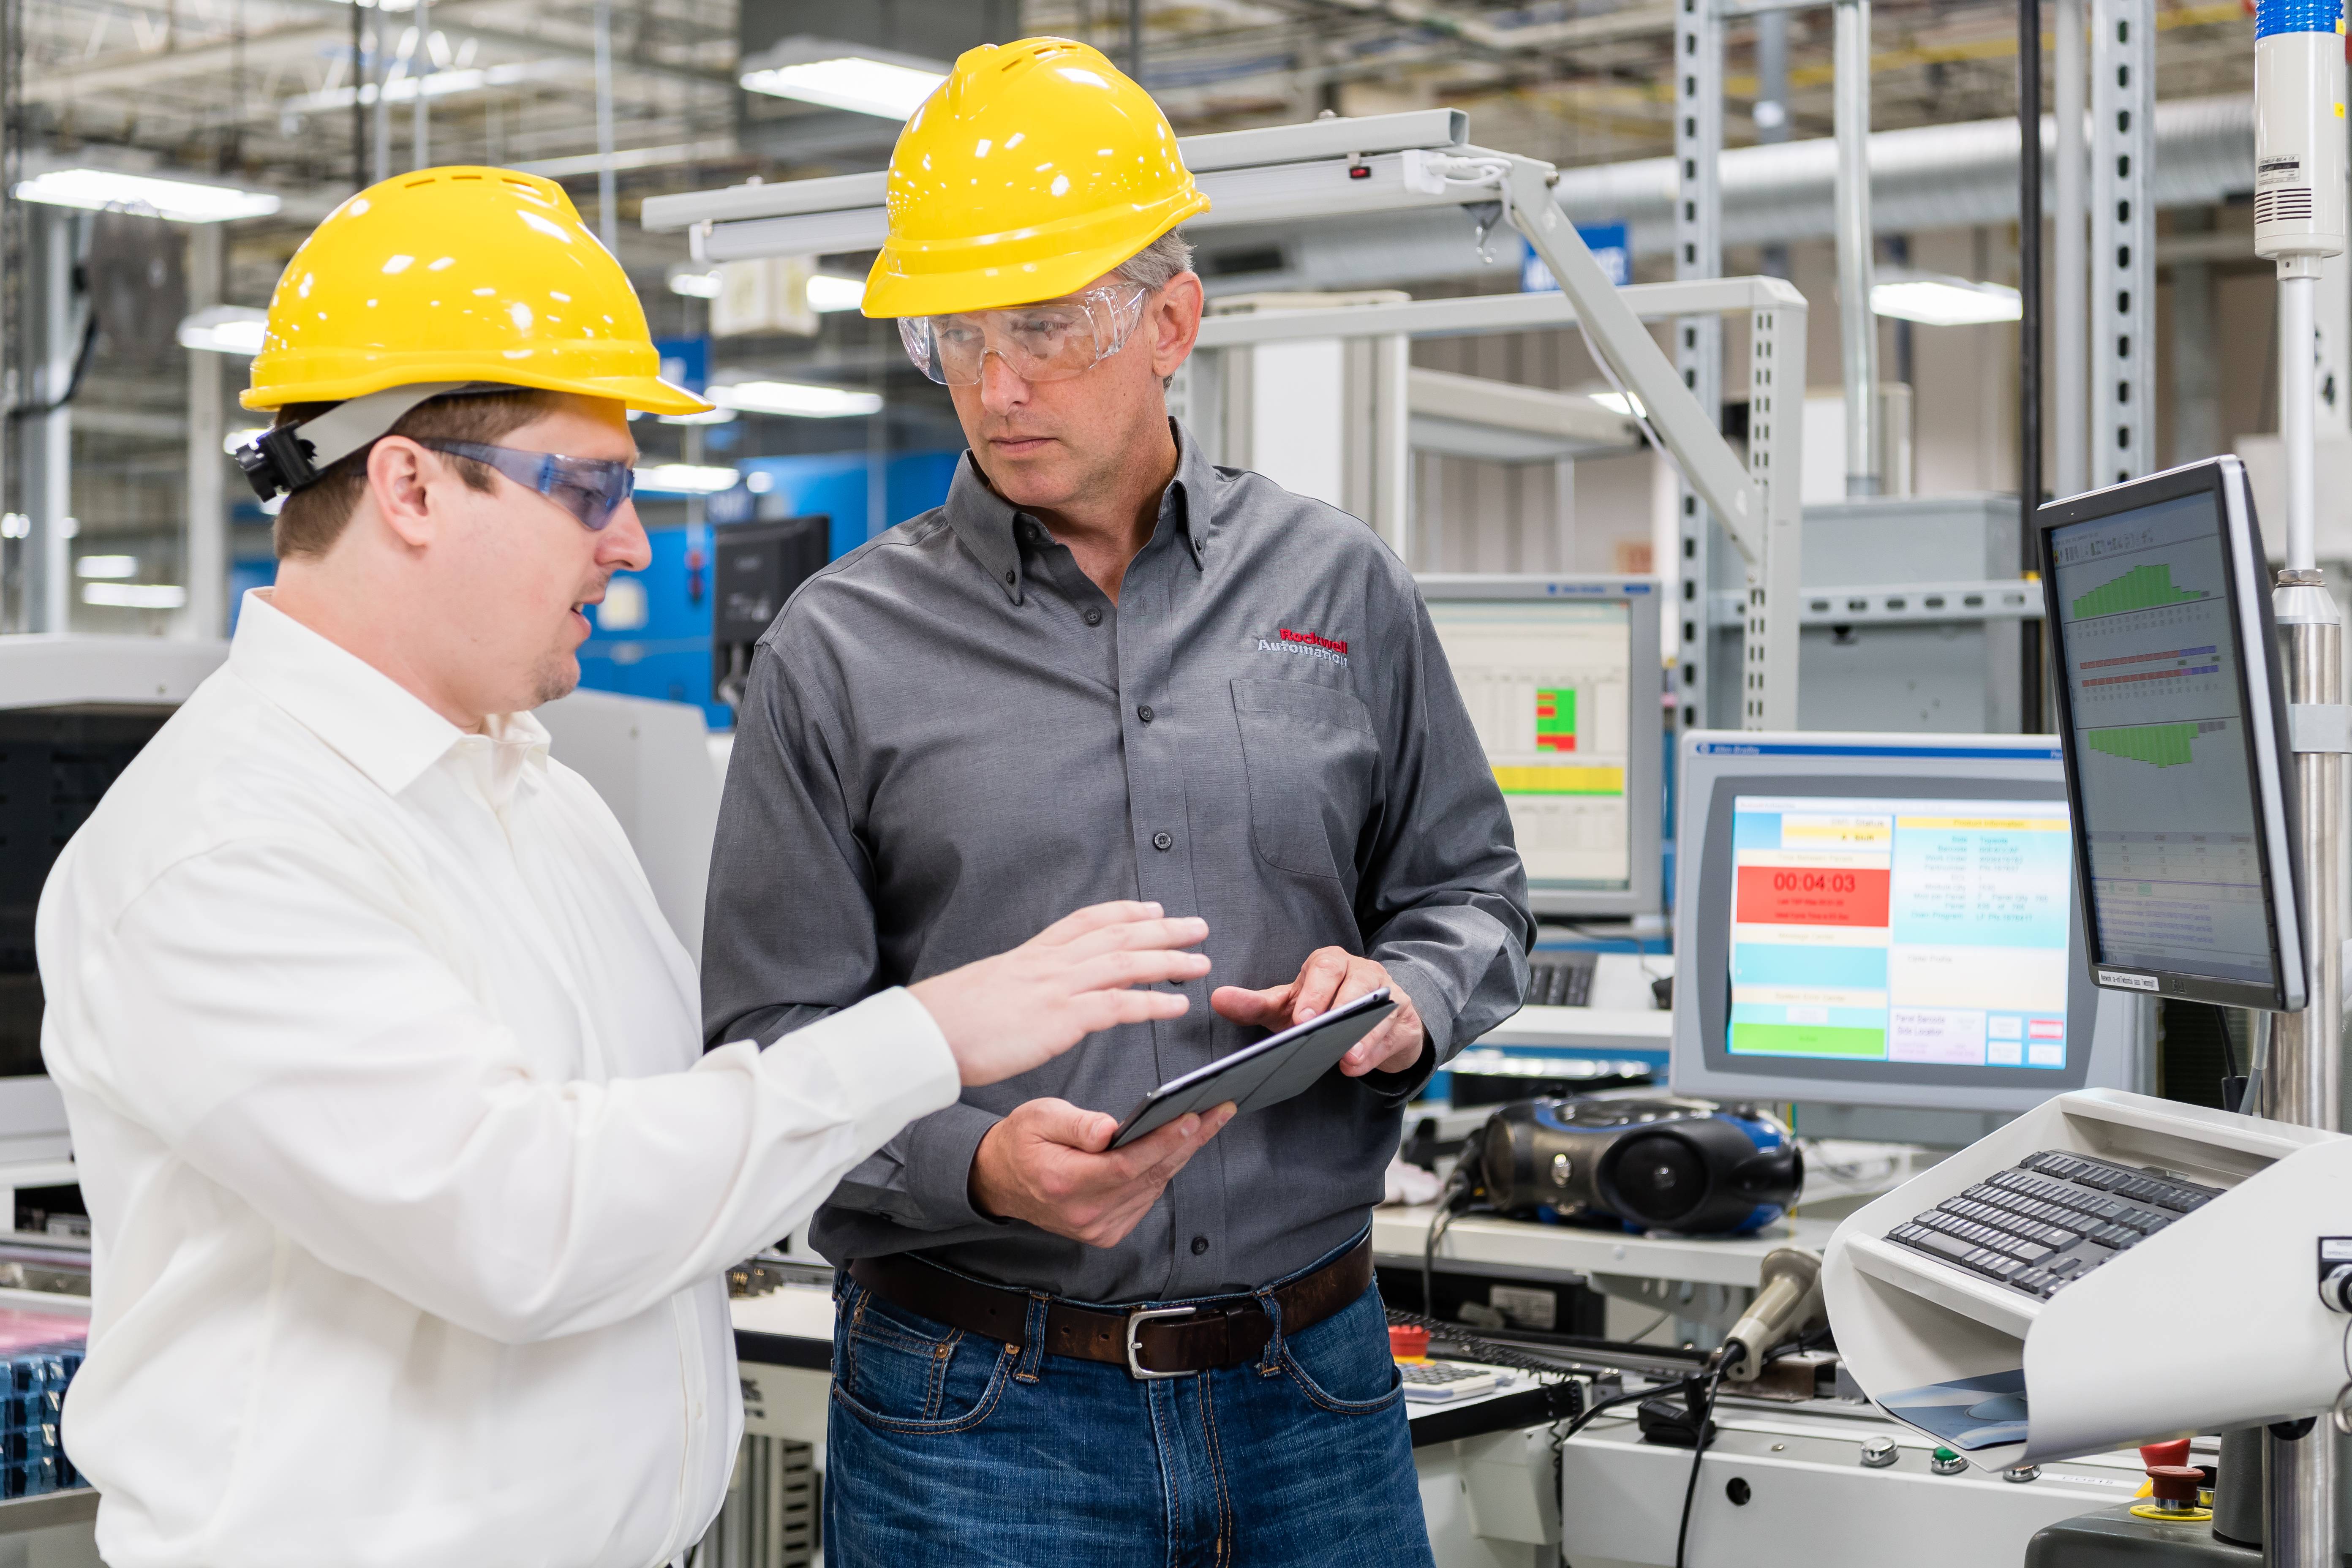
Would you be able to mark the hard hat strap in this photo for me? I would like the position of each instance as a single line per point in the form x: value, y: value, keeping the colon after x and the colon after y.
x: 289, y: 457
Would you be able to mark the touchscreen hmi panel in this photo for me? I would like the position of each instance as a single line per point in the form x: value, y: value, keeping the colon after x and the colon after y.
x: 1918, y: 931
x: 2163, y: 763
x: 1560, y: 677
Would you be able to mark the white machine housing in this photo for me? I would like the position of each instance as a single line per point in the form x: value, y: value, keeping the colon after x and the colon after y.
x: 61, y: 670
x: 2299, y: 143
x: 651, y: 762
x: 2129, y: 1353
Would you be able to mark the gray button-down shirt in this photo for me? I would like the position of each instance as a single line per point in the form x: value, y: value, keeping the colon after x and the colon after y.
x: 952, y: 738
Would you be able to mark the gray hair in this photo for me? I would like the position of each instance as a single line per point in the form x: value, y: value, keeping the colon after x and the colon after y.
x: 1155, y: 264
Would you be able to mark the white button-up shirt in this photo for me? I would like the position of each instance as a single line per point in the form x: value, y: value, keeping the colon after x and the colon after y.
x: 409, y: 1189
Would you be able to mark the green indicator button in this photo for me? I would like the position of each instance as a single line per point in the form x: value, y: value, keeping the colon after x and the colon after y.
x: 1807, y: 1040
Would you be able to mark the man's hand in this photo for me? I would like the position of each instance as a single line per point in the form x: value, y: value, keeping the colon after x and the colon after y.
x: 1330, y: 976
x: 1052, y: 1164
x: 1006, y: 1015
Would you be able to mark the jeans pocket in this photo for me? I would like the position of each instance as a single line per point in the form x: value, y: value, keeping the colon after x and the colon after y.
x: 1343, y: 1363
x: 900, y: 1372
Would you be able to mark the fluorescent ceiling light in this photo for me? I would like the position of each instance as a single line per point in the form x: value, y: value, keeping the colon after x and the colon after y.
x: 695, y: 282
x: 709, y: 416
x: 225, y: 330
x: 1619, y: 402
x: 826, y: 293
x: 856, y: 82
x: 107, y: 566
x: 182, y: 201
x: 135, y: 596
x: 435, y: 84
x: 796, y: 399
x: 685, y: 479
x: 1946, y: 302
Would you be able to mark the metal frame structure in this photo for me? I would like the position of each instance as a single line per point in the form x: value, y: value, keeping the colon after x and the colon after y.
x: 2123, y: 241
x: 1698, y: 339
x: 1339, y: 167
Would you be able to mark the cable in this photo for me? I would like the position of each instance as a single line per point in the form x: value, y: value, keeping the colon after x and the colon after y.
x: 1452, y: 1200
x: 1702, y: 1407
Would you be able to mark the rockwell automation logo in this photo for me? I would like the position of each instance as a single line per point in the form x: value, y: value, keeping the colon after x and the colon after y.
x: 1307, y: 644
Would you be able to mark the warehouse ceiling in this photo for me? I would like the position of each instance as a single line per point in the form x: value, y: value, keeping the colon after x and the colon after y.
x: 260, y: 90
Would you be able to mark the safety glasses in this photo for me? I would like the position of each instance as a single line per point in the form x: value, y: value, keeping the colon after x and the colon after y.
x: 590, y: 489
x: 1053, y: 341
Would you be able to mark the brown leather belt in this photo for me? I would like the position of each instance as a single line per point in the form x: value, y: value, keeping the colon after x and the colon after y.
x: 1150, y: 1342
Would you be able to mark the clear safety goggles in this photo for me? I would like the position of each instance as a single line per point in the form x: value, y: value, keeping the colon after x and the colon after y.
x: 590, y: 489
x: 1052, y: 340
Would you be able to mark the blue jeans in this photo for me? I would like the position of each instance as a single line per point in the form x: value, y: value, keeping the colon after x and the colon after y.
x: 942, y: 1447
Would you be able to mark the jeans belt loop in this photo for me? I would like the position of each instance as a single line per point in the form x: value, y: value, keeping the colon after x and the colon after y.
x: 1136, y: 1319
x: 1033, y: 1338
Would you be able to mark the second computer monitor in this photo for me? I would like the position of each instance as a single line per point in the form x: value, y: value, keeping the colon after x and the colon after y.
x: 2158, y: 601
x: 1562, y: 677
x: 1883, y: 921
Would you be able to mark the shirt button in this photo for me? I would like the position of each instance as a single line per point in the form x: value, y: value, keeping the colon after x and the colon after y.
x: 1200, y: 1244
x: 1091, y: 615
x: 1163, y: 841
x: 1008, y: 577
x: 1144, y: 713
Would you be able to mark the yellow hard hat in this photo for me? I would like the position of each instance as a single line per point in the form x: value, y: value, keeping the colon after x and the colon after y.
x: 459, y: 275
x: 1034, y: 169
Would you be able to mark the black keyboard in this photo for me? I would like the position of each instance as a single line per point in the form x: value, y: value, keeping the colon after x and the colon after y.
x: 1560, y: 979
x: 2047, y: 1221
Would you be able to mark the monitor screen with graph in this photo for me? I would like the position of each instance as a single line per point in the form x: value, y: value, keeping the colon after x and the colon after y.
x: 2174, y: 726
x: 1562, y: 677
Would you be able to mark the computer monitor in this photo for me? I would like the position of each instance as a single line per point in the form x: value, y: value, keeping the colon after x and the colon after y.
x: 1885, y: 921
x: 1563, y: 676
x: 2173, y: 715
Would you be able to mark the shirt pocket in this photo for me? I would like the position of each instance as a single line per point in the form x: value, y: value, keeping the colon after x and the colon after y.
x: 1312, y: 758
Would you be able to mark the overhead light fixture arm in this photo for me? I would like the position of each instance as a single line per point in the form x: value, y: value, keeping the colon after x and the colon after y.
x: 1689, y: 435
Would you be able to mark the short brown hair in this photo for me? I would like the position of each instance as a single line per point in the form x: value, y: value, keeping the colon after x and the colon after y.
x: 314, y: 516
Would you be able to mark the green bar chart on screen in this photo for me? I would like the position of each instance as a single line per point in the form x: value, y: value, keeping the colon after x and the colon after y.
x: 2141, y: 588
x: 2158, y: 745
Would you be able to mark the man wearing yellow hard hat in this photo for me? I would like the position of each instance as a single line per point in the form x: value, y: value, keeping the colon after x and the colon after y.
x: 1108, y: 669
x: 410, y: 1189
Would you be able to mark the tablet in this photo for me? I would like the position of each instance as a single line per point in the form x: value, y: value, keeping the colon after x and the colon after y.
x: 1263, y: 1074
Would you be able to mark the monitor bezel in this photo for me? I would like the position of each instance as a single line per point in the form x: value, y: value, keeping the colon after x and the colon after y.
x: 1710, y: 952
x: 2261, y: 699
x: 1766, y: 763
x: 1644, y: 893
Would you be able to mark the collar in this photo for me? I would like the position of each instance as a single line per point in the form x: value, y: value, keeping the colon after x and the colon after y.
x: 368, y: 718
x: 989, y: 525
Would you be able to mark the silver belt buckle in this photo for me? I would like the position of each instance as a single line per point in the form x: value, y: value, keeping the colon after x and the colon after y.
x: 1134, y: 1321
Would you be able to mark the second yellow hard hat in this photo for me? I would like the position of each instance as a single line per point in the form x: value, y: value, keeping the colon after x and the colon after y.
x: 459, y: 275
x: 1034, y: 170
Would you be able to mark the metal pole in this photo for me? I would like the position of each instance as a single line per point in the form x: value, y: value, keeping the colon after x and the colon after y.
x: 1771, y: 112
x: 420, y: 66
x: 2072, y: 395
x: 204, y: 551
x: 608, y: 221
x: 382, y: 58
x: 1858, y: 326
x: 2303, y: 1083
x: 1135, y: 41
x: 359, y: 106
x: 2297, y: 395
x: 2029, y: 256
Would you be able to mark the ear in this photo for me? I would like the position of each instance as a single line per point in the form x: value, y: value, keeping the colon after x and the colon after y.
x: 399, y: 474
x: 1175, y: 322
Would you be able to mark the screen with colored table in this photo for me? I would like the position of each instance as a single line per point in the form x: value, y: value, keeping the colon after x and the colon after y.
x: 1900, y: 931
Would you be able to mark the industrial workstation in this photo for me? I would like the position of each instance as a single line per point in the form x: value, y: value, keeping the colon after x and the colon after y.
x: 1483, y: 784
